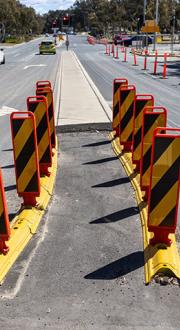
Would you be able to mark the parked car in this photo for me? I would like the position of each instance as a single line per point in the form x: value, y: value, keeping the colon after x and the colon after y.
x: 128, y: 41
x: 47, y: 47
x: 2, y: 56
x: 118, y: 38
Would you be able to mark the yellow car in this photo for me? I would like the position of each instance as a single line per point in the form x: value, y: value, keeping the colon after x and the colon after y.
x: 47, y: 47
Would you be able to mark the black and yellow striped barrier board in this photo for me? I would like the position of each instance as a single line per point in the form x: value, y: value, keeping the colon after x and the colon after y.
x: 117, y: 83
x: 39, y: 107
x: 127, y: 99
x: 47, y: 92
x: 141, y: 102
x: 25, y: 156
x: 43, y: 83
x: 4, y: 220
x: 164, y: 184
x: 153, y: 117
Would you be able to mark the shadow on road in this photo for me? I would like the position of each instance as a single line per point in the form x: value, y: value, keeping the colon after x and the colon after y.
x: 119, y: 267
x: 96, y: 144
x: 112, y: 183
x: 101, y: 161
x: 117, y: 216
x: 9, y: 188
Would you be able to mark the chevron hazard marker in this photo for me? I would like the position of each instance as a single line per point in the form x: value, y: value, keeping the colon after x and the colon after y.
x: 117, y: 83
x: 127, y: 100
x: 25, y: 156
x: 141, y: 102
x: 153, y: 117
x: 164, y: 184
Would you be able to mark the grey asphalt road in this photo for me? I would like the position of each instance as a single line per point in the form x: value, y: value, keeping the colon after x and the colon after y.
x: 84, y: 267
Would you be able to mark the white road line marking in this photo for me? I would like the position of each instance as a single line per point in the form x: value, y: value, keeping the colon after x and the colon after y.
x: 7, y: 110
x: 33, y: 65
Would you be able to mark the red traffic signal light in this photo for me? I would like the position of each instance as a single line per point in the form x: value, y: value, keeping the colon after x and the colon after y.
x: 66, y: 20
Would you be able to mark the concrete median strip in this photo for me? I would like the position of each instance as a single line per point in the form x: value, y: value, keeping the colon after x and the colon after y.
x: 25, y: 224
x: 157, y: 258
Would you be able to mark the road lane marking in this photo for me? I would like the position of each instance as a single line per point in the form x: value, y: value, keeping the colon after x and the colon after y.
x: 34, y: 65
x: 7, y: 110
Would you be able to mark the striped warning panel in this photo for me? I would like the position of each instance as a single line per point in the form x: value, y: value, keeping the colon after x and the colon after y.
x: 153, y: 117
x: 165, y: 182
x: 25, y: 153
x: 127, y: 99
x: 4, y: 218
x: 47, y: 92
x: 38, y: 106
x: 141, y: 102
x: 117, y: 83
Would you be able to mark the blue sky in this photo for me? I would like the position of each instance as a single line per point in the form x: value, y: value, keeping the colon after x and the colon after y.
x: 43, y: 6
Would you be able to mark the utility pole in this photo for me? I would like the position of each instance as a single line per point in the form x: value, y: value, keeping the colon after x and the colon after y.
x: 144, y: 11
x: 156, y: 20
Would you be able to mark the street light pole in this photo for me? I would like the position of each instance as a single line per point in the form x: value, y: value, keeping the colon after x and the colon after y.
x: 156, y: 20
x: 144, y: 11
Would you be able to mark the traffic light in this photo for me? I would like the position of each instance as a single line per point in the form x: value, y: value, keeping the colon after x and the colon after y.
x: 66, y: 20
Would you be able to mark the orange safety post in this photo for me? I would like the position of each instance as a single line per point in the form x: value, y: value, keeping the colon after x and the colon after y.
x: 126, y: 113
x: 134, y: 55
x: 117, y: 55
x: 145, y: 59
x: 142, y: 101
x: 153, y: 117
x: 155, y: 62
x: 5, y: 230
x: 164, y: 184
x: 165, y: 66
x: 117, y: 83
x: 39, y: 107
x: 109, y: 50
x: 125, y: 54
x: 26, y: 160
x: 48, y: 93
x: 122, y: 48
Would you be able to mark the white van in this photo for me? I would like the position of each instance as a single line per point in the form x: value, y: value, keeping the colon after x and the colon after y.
x: 2, y: 56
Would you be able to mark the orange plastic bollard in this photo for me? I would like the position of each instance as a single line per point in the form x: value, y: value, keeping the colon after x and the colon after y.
x: 145, y: 60
x: 125, y: 55
x: 155, y: 62
x: 117, y: 54
x: 165, y: 66
x: 134, y: 54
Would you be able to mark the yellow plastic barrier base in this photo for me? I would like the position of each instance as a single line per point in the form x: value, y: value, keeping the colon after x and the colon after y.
x: 25, y: 224
x: 158, y: 259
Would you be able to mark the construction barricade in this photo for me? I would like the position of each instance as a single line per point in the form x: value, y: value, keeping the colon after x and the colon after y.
x: 153, y: 117
x: 25, y: 152
x: 127, y: 99
x: 48, y: 93
x: 117, y: 83
x: 141, y: 102
x: 43, y: 83
x: 164, y: 184
x: 4, y: 220
x: 39, y: 107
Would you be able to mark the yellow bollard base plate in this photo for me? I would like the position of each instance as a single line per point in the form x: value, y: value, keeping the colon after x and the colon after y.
x: 158, y: 259
x: 25, y: 224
